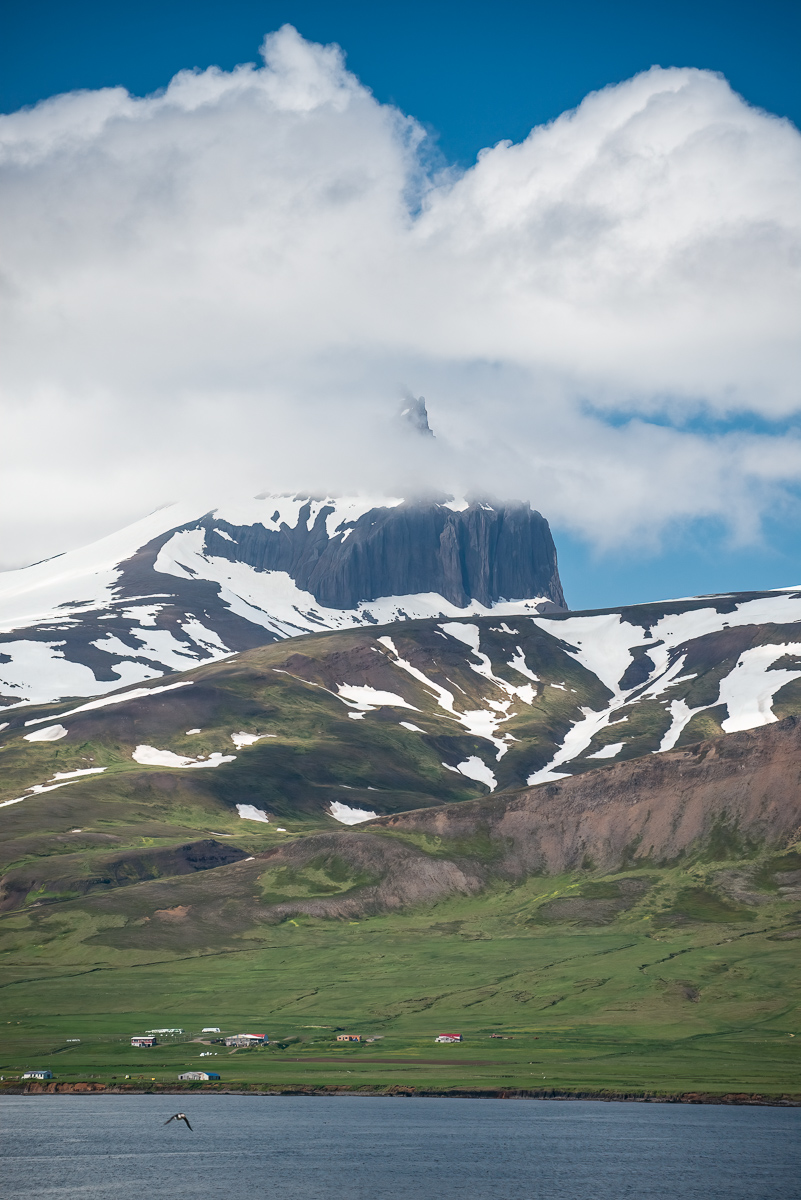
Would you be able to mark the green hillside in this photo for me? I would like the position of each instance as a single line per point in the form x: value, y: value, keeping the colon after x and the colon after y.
x: 138, y: 897
x: 664, y: 980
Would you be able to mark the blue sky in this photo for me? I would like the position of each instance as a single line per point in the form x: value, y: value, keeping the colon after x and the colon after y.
x: 475, y: 71
x: 472, y: 74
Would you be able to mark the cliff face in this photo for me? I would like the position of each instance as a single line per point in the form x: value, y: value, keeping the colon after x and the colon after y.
x: 180, y: 588
x: 481, y: 553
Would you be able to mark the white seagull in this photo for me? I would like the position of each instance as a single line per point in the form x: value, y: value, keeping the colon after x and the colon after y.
x: 178, y: 1117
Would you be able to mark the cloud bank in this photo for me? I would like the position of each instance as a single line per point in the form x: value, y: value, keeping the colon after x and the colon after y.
x: 232, y: 283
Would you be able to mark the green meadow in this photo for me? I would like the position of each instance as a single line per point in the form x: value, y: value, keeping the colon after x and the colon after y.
x: 677, y: 989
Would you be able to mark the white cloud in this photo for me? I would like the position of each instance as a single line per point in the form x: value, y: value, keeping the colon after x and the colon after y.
x: 225, y: 282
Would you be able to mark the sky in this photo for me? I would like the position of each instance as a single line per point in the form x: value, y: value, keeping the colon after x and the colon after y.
x: 575, y: 230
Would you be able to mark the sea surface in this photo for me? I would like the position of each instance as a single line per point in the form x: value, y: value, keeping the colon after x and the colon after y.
x: 349, y: 1148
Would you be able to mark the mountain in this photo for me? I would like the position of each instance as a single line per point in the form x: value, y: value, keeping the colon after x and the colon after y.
x: 728, y: 799
x: 304, y: 838
x: 354, y: 723
x: 178, y: 588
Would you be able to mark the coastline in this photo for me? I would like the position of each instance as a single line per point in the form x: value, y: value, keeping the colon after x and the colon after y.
x: 54, y: 1088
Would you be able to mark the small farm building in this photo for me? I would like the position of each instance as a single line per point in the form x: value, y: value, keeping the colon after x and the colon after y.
x: 38, y: 1075
x: 146, y: 1040
x: 449, y: 1037
x: 247, y: 1039
x: 349, y: 1037
x: 199, y: 1075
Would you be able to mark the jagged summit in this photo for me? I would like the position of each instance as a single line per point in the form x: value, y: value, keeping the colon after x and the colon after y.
x: 179, y: 587
x: 414, y: 413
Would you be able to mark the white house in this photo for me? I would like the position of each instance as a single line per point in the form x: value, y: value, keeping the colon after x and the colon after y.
x: 449, y: 1037
x: 38, y: 1075
x: 199, y: 1075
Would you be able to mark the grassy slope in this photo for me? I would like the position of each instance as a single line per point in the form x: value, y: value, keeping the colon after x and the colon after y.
x: 692, y: 985
x: 315, y: 748
x: 685, y: 988
x: 317, y: 753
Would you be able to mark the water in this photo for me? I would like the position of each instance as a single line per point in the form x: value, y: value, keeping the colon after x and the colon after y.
x: 349, y: 1148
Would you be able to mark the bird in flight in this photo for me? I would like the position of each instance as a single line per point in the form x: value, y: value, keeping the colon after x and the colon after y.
x: 178, y: 1117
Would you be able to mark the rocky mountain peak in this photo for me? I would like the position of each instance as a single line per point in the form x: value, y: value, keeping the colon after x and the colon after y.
x: 179, y: 587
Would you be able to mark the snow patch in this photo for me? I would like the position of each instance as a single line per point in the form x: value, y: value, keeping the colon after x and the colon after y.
x: 408, y: 725
x: 207, y: 639
x: 469, y: 634
x: 610, y: 751
x: 149, y: 756
x: 749, y: 689
x: 247, y: 739
x: 158, y: 646
x: 475, y: 768
x: 249, y: 812
x: 369, y: 698
x: 680, y: 715
x: 136, y: 694
x: 444, y: 697
x: 518, y: 663
x: 349, y: 816
x: 75, y: 774
x: 51, y: 733
x: 143, y: 614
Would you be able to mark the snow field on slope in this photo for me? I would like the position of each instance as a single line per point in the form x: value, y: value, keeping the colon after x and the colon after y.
x: 48, y: 591
x: 484, y: 722
x: 603, y: 645
x: 65, y: 592
x: 38, y: 673
x: 273, y: 600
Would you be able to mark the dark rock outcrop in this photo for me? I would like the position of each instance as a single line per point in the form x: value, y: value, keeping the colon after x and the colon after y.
x: 165, y: 613
x: 483, y: 553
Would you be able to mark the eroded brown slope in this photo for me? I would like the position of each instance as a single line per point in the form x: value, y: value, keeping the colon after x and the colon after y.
x: 731, y: 792
x: 725, y: 798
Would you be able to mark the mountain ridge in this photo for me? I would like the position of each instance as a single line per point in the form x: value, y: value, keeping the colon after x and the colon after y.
x: 177, y: 588
x: 350, y: 724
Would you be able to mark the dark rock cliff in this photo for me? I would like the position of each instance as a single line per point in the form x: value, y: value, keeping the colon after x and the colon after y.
x: 483, y: 553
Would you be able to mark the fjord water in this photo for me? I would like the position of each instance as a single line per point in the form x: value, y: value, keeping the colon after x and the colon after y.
x: 348, y: 1148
